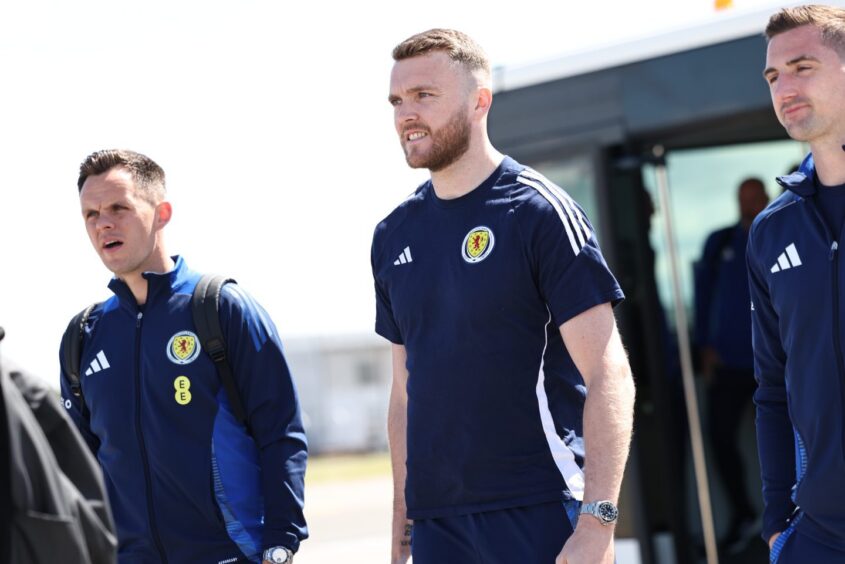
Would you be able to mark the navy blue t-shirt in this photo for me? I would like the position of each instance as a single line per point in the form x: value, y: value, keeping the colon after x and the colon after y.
x: 476, y: 288
x: 831, y: 204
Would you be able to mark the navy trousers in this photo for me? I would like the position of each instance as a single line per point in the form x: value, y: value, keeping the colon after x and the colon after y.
x: 794, y: 547
x: 534, y: 534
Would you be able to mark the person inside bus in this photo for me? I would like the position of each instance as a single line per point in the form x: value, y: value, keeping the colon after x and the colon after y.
x: 723, y: 335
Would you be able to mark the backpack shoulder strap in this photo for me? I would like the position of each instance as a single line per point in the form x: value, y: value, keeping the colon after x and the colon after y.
x: 205, y: 307
x: 72, y: 348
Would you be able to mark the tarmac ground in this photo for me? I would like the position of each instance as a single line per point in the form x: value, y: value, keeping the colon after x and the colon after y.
x: 349, y: 519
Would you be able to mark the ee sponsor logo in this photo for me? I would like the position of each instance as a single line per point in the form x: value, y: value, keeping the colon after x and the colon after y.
x: 183, y: 390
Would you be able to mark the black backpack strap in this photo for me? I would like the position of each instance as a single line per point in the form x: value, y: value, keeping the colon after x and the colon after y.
x: 205, y: 306
x: 72, y: 349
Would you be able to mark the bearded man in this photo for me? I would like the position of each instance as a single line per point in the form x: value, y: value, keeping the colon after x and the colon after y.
x: 509, y: 375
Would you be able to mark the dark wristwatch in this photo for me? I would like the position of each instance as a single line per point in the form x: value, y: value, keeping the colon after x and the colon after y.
x: 278, y: 555
x: 605, y: 511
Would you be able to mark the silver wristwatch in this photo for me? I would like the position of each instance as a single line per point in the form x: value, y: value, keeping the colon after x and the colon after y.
x: 603, y: 510
x: 278, y: 555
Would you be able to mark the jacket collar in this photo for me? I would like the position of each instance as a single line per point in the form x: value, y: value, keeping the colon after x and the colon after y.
x: 159, y: 285
x: 802, y: 182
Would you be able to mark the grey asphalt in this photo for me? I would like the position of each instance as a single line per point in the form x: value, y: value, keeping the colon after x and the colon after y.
x: 349, y: 523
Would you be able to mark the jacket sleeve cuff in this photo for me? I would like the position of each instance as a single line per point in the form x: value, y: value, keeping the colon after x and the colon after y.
x: 287, y: 540
x: 774, y: 524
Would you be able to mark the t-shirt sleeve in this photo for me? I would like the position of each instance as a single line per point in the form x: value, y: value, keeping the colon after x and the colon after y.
x: 386, y: 325
x: 570, y: 271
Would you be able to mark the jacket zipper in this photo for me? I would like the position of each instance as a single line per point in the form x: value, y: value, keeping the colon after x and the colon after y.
x: 833, y: 258
x: 837, y: 344
x: 142, y: 445
x: 800, y: 464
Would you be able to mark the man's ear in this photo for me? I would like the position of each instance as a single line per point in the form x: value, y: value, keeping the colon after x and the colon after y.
x: 483, y: 100
x: 164, y: 211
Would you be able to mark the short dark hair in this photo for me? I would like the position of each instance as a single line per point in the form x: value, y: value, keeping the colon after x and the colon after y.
x: 829, y: 20
x: 459, y: 46
x: 147, y: 175
x: 752, y: 180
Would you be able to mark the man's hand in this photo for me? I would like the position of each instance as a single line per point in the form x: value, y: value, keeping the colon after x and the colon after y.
x: 773, y: 539
x: 591, y: 543
x: 400, y: 549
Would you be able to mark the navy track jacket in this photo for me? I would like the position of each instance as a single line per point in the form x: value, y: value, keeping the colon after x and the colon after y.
x: 721, y: 290
x: 798, y: 313
x: 186, y: 481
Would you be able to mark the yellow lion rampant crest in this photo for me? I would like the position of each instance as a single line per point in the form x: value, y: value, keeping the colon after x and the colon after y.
x: 477, y: 244
x: 183, y: 347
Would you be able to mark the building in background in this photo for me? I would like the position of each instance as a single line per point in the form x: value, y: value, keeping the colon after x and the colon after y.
x: 343, y: 384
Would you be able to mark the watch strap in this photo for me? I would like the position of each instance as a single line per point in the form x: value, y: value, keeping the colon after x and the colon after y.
x: 593, y: 509
x: 268, y: 555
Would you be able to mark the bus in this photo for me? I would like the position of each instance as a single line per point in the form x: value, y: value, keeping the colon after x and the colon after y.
x: 604, y: 125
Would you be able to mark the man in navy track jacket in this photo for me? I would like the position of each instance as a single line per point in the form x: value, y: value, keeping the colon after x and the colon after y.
x: 187, y: 481
x: 798, y: 303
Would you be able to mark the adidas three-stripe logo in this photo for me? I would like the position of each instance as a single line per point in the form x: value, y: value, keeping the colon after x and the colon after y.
x: 98, y: 364
x: 404, y: 257
x: 577, y: 230
x: 787, y: 259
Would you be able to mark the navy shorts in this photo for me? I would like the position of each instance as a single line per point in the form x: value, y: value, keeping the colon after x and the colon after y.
x: 533, y: 534
x: 794, y: 547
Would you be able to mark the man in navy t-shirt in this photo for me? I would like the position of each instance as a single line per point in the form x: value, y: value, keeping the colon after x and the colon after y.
x: 512, y: 399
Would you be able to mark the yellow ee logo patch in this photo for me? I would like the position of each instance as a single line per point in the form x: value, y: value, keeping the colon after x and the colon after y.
x: 183, y: 390
x: 477, y: 244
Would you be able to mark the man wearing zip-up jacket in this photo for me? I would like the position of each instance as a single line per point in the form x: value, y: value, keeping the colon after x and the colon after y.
x: 797, y: 300
x: 187, y: 481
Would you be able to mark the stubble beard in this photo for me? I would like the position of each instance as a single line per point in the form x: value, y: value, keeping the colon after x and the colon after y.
x: 800, y: 131
x: 130, y: 264
x: 806, y: 129
x: 448, y: 144
x: 121, y: 268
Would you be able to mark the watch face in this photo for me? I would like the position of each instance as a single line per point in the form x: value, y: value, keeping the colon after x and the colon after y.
x: 608, y: 512
x: 279, y: 556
